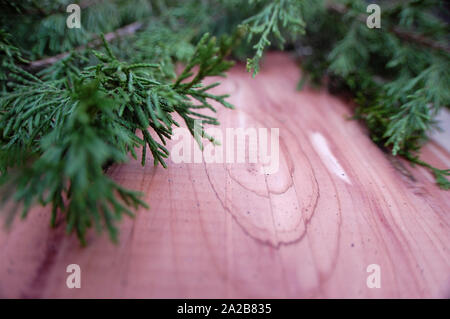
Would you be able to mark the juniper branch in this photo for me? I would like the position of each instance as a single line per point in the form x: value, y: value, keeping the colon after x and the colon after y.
x: 57, y: 136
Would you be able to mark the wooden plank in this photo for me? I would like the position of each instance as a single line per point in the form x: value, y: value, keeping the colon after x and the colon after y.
x: 336, y: 205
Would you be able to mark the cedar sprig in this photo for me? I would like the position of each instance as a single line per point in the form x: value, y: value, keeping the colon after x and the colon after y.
x: 58, y: 136
x: 275, y: 17
x: 398, y: 75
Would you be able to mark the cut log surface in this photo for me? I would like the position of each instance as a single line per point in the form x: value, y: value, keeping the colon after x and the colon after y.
x: 336, y: 205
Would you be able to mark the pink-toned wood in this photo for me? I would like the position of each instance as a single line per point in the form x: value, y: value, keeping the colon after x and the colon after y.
x: 226, y: 230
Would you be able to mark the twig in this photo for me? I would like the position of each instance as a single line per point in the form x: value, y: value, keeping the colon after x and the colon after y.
x: 62, y: 9
x: 124, y: 31
x: 402, y: 34
x: 420, y: 39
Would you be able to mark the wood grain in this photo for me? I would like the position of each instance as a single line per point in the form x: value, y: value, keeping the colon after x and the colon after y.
x: 228, y: 231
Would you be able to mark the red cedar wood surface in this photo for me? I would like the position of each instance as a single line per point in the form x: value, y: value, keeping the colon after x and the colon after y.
x: 336, y: 205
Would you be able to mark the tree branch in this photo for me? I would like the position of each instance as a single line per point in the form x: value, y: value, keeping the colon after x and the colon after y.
x: 62, y: 9
x: 402, y: 34
x: 124, y: 31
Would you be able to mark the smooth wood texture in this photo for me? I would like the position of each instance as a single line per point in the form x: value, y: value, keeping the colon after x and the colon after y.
x: 228, y: 231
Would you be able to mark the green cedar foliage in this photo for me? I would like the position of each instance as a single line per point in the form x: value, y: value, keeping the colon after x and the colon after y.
x: 399, y: 74
x: 65, y: 121
x: 62, y: 126
x: 275, y: 16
